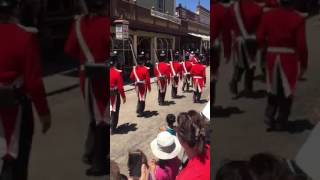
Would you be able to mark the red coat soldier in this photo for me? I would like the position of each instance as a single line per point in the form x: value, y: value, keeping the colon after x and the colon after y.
x: 20, y: 85
x: 198, y: 74
x: 176, y: 74
x: 140, y: 76
x: 193, y: 59
x: 162, y: 73
x: 282, y: 31
x: 88, y: 42
x: 116, y: 90
x: 244, y: 16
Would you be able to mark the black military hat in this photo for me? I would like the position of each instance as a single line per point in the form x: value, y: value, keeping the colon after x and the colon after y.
x: 162, y: 54
x: 141, y: 58
x: 8, y: 4
x: 176, y: 55
x: 113, y: 58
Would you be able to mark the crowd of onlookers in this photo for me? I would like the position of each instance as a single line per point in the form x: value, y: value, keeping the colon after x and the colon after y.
x: 181, y: 151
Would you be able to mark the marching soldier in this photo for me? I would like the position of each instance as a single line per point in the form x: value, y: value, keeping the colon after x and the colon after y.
x: 244, y: 16
x: 198, y: 74
x: 186, y: 67
x: 88, y: 42
x: 116, y: 90
x: 141, y: 78
x: 193, y: 59
x: 162, y: 73
x: 176, y: 74
x: 282, y: 30
x: 20, y: 85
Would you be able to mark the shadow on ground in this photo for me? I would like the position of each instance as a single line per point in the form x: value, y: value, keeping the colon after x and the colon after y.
x: 126, y: 128
x: 180, y: 96
x: 259, y: 94
x: 148, y: 114
x: 168, y: 103
x: 299, y: 126
x: 221, y: 112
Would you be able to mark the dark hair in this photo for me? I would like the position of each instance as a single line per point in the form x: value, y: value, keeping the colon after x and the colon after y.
x: 234, y: 170
x: 191, y: 129
x: 268, y: 167
x: 171, y: 118
x: 114, y: 171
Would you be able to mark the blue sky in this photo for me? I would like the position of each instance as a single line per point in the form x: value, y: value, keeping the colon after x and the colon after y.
x: 192, y: 4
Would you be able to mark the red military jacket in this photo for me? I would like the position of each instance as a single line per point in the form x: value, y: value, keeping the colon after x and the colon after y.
x: 96, y: 33
x: 284, y: 28
x: 175, y: 68
x: 163, y: 68
x: 218, y: 23
x: 186, y: 66
x: 198, y: 70
x: 116, y: 81
x: 20, y: 58
x: 251, y: 13
x: 272, y: 3
x: 193, y: 59
x: 143, y: 75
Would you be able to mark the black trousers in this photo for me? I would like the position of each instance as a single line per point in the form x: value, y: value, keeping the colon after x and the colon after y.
x: 185, y: 83
x: 17, y: 169
x: 248, y: 73
x: 140, y: 107
x: 174, y: 92
x: 161, y: 96
x: 115, y: 115
x: 278, y: 106
x: 101, y: 147
x: 196, y: 96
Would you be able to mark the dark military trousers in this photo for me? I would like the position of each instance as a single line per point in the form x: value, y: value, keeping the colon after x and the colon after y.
x: 140, y: 107
x: 17, y: 169
x: 185, y: 83
x: 278, y: 107
x: 115, y: 114
x: 196, y: 96
x: 161, y: 97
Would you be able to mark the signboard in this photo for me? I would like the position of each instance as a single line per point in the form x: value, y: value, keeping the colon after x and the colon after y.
x: 165, y: 16
x: 122, y: 30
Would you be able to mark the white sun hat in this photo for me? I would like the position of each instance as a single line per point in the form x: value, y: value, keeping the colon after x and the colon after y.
x: 165, y: 146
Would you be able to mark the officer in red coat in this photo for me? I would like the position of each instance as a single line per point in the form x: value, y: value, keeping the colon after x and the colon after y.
x: 21, y: 86
x: 88, y: 42
x: 282, y: 32
x: 198, y: 74
x: 162, y: 73
x: 175, y: 73
x: 116, y: 90
x: 244, y: 16
x: 186, y: 67
x: 141, y: 78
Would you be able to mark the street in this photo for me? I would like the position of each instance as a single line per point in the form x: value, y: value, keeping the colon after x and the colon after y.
x: 137, y: 133
x: 239, y: 131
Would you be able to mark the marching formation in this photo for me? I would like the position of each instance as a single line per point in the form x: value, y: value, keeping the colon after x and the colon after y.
x: 271, y: 32
x: 187, y: 69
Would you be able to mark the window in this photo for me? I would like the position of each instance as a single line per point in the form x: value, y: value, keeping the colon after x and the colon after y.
x: 161, y: 5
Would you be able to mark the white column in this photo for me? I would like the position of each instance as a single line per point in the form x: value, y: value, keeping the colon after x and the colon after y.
x: 174, y: 43
x: 153, y: 47
x: 135, y: 44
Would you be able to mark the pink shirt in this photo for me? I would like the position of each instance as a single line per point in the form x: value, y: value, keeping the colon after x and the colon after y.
x: 170, y: 170
x: 197, y: 168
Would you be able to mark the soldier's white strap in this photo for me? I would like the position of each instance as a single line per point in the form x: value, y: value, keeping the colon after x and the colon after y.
x: 135, y: 74
x: 239, y: 19
x: 83, y: 45
x: 157, y: 65
x: 17, y: 83
x: 172, y: 69
x: 184, y: 67
x: 284, y: 50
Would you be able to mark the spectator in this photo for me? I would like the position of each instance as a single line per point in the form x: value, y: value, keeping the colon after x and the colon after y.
x: 191, y: 135
x: 166, y: 148
x: 171, y: 119
x: 234, y: 170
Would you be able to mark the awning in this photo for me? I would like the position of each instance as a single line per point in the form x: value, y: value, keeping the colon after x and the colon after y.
x: 203, y: 37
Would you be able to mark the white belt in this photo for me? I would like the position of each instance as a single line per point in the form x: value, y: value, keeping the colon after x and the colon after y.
x: 197, y: 77
x: 15, y: 84
x: 113, y: 89
x: 281, y: 50
x: 140, y: 82
x: 241, y: 38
